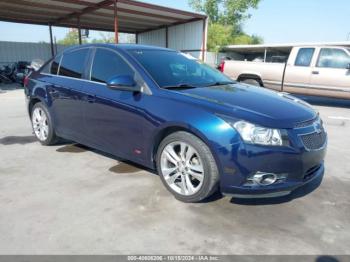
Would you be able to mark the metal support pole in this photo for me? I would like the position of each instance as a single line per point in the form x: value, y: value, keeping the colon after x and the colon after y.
x: 79, y: 30
x: 204, y: 38
x: 166, y: 37
x: 116, y: 33
x: 51, y: 41
x: 137, y: 38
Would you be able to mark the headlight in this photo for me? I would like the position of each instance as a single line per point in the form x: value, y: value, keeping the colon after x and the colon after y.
x: 254, y: 134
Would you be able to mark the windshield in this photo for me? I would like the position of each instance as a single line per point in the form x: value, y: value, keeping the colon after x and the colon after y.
x: 171, y: 69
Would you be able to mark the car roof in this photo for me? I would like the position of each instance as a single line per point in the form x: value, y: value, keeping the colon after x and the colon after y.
x: 119, y: 46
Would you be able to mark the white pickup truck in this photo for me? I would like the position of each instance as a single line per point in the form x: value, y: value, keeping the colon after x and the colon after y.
x: 309, y: 70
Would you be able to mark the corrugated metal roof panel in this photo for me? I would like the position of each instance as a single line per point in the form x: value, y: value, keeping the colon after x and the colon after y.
x: 58, y: 13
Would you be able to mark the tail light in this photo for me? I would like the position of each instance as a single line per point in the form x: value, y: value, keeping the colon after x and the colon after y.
x: 222, y: 66
x: 26, y: 81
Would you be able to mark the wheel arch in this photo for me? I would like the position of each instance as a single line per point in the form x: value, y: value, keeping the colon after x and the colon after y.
x: 172, y: 128
x: 245, y: 76
x: 38, y: 94
x: 31, y: 104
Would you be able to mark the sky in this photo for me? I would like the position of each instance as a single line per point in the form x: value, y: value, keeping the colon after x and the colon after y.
x: 276, y: 21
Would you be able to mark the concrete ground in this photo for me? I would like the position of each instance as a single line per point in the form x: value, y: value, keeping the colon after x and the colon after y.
x: 68, y: 199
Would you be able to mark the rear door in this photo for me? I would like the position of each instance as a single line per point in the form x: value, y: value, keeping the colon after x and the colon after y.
x: 67, y: 92
x: 299, y: 70
x: 330, y: 74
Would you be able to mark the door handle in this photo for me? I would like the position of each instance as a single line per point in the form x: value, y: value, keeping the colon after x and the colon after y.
x: 315, y: 72
x: 53, y: 92
x: 91, y: 98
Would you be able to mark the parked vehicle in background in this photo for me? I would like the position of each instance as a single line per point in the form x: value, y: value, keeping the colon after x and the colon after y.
x: 6, y: 74
x: 170, y: 112
x: 307, y: 70
x: 14, y: 73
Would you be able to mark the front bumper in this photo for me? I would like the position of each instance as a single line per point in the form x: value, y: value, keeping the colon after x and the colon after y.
x: 295, y: 163
x: 275, y: 191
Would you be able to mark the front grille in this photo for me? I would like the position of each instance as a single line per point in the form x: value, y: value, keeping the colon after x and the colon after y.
x: 306, y: 123
x: 315, y: 140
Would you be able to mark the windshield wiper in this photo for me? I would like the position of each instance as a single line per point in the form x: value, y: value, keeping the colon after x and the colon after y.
x: 221, y: 83
x: 179, y: 86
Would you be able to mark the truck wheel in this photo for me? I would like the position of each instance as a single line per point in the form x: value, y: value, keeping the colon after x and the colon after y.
x: 187, y: 167
x: 252, y: 82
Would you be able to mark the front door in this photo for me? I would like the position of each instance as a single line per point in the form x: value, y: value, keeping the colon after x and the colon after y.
x: 331, y: 76
x: 115, y: 120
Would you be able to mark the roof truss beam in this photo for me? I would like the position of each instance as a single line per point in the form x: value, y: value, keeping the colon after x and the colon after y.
x: 85, y: 10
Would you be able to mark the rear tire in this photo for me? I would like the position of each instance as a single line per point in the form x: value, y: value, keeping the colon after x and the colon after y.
x: 42, y: 125
x: 189, y: 171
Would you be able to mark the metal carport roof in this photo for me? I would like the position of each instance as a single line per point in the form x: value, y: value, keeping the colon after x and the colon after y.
x: 132, y: 16
x: 125, y: 16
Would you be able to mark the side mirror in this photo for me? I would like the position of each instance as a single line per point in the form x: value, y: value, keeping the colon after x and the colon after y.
x: 124, y: 83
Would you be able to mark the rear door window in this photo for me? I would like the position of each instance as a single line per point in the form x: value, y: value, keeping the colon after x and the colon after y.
x: 333, y: 58
x: 304, y: 56
x: 108, y: 64
x: 73, y: 63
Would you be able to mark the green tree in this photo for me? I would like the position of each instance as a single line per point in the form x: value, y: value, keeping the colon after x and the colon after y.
x: 219, y: 35
x: 225, y: 21
x: 244, y: 39
x: 104, y: 38
x: 71, y: 38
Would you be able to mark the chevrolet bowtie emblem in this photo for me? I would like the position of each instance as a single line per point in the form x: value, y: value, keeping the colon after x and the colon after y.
x: 318, y: 127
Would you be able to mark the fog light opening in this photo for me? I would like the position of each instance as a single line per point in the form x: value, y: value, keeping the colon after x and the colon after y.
x: 264, y: 179
x: 267, y: 179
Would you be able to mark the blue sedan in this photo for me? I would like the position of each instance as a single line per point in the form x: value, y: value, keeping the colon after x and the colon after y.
x: 167, y: 111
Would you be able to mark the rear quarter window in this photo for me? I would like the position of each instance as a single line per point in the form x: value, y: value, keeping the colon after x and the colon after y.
x: 54, y: 65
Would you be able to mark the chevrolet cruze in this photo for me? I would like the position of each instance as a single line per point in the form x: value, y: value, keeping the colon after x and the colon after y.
x: 167, y: 111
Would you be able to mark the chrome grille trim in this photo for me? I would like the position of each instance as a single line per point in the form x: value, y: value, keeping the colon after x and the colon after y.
x: 306, y: 123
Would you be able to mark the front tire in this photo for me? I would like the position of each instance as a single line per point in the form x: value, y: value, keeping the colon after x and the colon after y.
x: 187, y: 167
x: 42, y: 125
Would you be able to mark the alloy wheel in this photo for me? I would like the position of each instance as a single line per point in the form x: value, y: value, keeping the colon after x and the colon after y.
x: 182, y: 168
x: 40, y: 124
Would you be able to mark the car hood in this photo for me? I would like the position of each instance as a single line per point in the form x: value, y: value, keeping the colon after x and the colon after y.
x: 254, y: 104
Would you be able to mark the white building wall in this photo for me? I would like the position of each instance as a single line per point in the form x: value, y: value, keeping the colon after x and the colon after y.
x: 184, y: 37
x: 155, y: 37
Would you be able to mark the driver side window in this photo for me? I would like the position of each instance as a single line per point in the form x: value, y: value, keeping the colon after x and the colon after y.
x: 333, y: 58
x: 108, y: 64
